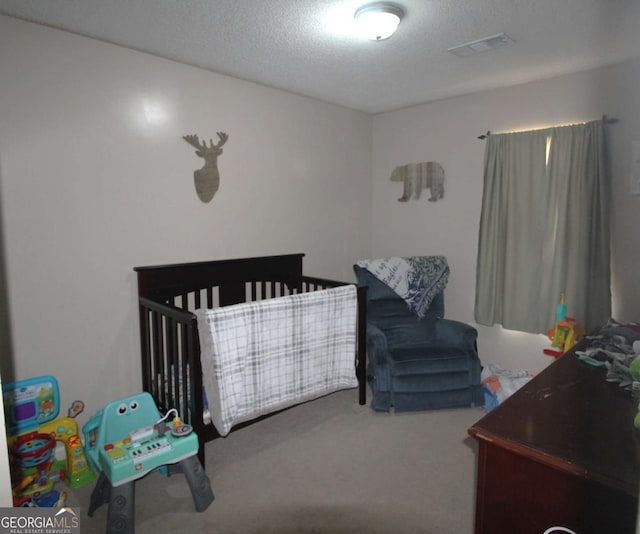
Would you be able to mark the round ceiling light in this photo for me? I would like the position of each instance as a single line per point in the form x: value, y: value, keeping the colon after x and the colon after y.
x: 378, y: 21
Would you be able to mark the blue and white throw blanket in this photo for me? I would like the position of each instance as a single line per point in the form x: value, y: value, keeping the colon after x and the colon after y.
x: 417, y: 279
x: 263, y: 356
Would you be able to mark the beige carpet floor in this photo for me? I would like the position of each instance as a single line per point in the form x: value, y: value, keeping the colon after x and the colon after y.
x: 328, y: 466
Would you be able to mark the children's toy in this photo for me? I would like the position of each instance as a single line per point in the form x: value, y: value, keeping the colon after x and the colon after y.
x: 564, y: 336
x: 31, y: 455
x: 566, y: 332
x: 634, y: 369
x: 127, y: 440
x: 33, y: 428
x: 51, y: 499
x: 77, y: 407
x: 561, y: 309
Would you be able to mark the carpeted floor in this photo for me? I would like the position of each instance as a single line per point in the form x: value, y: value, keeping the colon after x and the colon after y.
x: 328, y: 466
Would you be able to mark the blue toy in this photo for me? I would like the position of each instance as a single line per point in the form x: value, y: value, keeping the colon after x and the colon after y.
x: 128, y: 439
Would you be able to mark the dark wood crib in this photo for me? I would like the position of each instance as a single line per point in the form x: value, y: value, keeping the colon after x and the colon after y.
x: 168, y: 294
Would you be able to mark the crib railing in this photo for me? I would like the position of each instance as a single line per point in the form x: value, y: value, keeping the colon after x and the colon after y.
x: 169, y: 365
x: 170, y: 348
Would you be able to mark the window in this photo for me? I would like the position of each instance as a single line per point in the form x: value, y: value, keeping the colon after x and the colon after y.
x: 544, y: 228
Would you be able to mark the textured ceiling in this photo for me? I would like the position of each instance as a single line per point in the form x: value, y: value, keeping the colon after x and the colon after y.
x: 308, y: 47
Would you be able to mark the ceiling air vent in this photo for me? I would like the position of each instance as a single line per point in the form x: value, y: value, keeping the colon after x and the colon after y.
x: 481, y: 45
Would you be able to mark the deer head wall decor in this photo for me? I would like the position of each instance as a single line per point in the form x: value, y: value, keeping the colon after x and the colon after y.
x: 207, y: 179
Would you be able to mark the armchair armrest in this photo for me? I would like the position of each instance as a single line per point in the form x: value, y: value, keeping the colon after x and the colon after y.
x: 447, y: 332
x: 377, y: 344
x: 431, y: 335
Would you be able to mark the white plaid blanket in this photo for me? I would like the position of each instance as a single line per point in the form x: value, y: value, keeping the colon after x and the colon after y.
x: 260, y: 357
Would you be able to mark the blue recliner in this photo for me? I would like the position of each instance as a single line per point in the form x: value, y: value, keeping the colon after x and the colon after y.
x: 417, y: 363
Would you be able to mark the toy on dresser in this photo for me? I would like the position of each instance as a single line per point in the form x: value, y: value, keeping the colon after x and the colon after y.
x: 634, y: 369
x: 566, y: 332
x: 127, y: 440
x: 33, y: 430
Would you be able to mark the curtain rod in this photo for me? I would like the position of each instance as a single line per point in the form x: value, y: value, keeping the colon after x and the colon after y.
x: 605, y: 119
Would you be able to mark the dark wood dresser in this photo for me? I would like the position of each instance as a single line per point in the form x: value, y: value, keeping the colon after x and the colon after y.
x: 561, y: 451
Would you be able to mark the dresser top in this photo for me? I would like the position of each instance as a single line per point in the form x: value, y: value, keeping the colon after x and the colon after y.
x: 571, y: 418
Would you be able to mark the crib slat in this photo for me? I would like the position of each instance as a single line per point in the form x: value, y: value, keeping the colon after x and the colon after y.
x: 156, y: 356
x: 145, y: 348
x: 172, y: 360
x: 186, y: 381
x: 209, y: 297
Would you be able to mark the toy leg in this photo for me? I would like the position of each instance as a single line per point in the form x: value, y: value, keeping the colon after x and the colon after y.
x: 101, y: 494
x: 120, y: 517
x: 198, y: 483
x: 121, y: 499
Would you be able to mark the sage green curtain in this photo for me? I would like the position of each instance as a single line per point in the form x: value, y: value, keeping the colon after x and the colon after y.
x: 544, y: 228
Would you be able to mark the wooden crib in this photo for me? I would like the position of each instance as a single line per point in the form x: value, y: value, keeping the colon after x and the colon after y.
x: 170, y: 350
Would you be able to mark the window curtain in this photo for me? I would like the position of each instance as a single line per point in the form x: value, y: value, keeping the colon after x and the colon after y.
x: 544, y: 228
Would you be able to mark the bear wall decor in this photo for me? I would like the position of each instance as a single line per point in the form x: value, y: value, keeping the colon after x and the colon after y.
x: 419, y: 176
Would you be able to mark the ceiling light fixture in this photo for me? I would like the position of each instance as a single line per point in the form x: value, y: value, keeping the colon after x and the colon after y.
x: 378, y: 21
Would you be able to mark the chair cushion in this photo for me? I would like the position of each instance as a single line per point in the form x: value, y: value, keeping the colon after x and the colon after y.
x: 441, y: 335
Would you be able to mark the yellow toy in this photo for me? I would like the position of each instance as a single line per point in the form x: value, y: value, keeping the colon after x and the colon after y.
x: 564, y: 335
x: 566, y: 332
x: 65, y: 430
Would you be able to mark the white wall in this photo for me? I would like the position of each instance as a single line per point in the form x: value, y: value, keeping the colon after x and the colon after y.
x: 446, y: 131
x: 5, y: 478
x: 91, y: 187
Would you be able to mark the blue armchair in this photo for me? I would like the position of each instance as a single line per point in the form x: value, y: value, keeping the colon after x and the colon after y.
x: 417, y: 363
